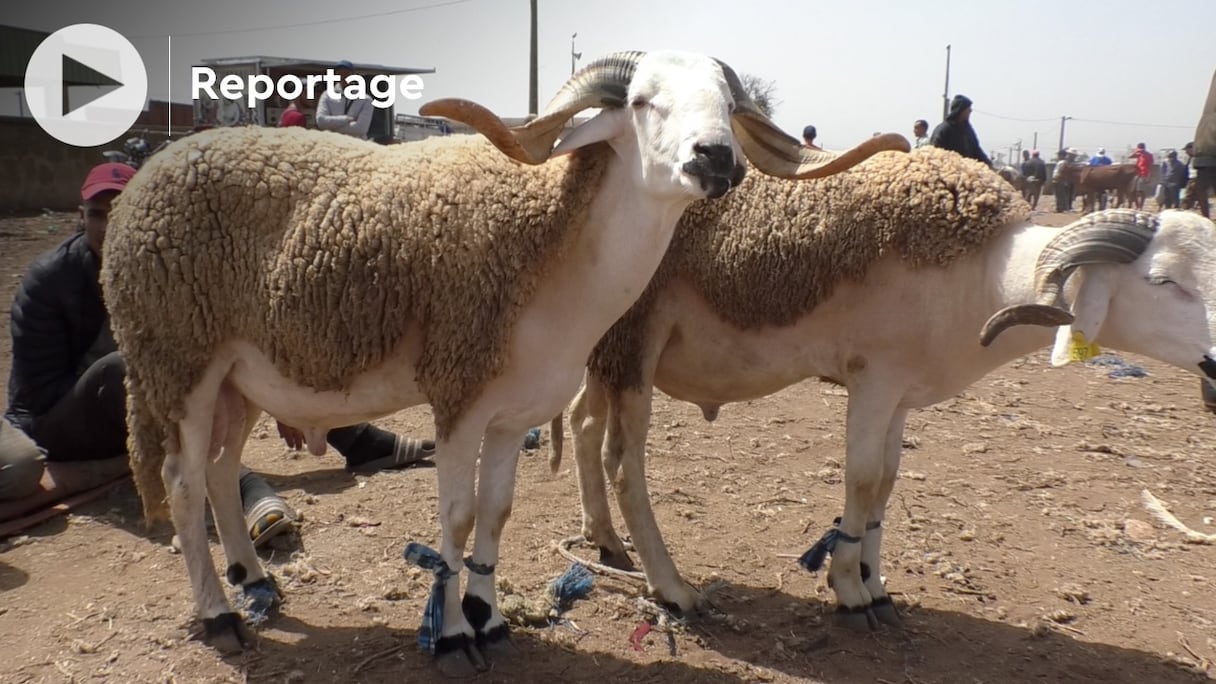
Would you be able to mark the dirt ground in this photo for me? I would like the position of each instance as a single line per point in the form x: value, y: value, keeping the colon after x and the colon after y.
x: 1017, y: 547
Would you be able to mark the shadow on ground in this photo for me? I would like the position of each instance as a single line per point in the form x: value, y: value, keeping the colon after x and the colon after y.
x: 934, y: 646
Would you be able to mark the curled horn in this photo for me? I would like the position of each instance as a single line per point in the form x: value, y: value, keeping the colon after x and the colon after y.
x: 602, y: 83
x: 776, y: 153
x: 1116, y: 236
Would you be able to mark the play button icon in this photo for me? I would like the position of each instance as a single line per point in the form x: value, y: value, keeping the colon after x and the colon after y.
x: 102, y: 80
x: 85, y: 85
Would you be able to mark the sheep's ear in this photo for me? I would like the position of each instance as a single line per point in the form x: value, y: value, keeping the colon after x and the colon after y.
x: 1076, y: 342
x: 608, y: 124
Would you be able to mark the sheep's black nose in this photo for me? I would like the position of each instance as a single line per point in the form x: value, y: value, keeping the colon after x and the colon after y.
x: 714, y: 166
x: 719, y: 159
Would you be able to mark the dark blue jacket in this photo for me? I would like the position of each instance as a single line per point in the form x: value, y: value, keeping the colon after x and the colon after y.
x: 959, y: 136
x: 58, y: 313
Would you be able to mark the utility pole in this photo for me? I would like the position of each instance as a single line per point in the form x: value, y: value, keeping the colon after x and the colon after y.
x: 574, y: 56
x: 1062, y: 120
x: 1035, y: 145
x: 946, y: 91
x: 532, y: 106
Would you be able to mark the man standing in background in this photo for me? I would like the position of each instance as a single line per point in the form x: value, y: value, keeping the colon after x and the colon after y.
x: 956, y: 133
x: 1144, y: 173
x: 351, y: 117
x: 920, y: 131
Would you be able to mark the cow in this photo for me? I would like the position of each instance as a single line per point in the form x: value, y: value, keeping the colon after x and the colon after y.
x: 1088, y: 181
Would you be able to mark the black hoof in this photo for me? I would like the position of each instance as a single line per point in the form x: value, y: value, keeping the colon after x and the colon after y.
x: 859, y: 619
x: 494, y: 635
x: 458, y: 656
x: 262, y: 600
x: 886, y: 612
x: 227, y: 633
x: 617, y: 559
x: 496, y: 644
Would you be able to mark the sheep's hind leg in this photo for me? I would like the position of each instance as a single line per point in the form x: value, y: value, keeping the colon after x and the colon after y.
x: 495, y: 492
x: 871, y: 545
x: 234, y: 420
x: 184, y: 473
x: 870, y: 412
x: 588, y: 419
x: 625, y: 465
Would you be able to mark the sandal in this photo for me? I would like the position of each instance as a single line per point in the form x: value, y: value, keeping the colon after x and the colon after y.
x: 266, y: 514
x: 406, y: 452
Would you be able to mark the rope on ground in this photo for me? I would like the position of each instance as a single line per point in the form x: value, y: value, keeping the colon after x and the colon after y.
x: 1158, y: 509
x: 563, y: 548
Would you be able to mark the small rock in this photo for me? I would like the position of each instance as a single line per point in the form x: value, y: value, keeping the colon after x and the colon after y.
x: 1074, y: 593
x: 1138, y: 530
x: 396, y: 594
x: 967, y: 535
x: 294, y: 677
x: 975, y: 448
x: 360, y: 521
x: 1061, y: 617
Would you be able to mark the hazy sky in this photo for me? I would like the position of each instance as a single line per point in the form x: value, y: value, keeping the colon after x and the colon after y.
x: 851, y: 68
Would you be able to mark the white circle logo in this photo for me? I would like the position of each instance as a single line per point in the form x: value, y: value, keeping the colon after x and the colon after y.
x: 85, y: 55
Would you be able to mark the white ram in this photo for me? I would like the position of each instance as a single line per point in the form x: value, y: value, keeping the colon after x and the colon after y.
x: 781, y: 293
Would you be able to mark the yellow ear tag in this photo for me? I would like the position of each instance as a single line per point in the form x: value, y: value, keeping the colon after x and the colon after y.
x: 1081, y: 349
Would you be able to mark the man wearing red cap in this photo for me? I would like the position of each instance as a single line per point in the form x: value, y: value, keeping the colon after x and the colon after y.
x: 66, y: 390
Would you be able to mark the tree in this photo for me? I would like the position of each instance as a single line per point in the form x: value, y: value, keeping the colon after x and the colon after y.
x: 762, y: 91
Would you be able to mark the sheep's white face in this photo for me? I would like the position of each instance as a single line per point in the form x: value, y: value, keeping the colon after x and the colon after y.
x: 680, y: 107
x: 1163, y: 305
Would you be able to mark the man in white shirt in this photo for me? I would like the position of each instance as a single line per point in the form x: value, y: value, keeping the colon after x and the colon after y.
x: 920, y: 130
x: 341, y: 115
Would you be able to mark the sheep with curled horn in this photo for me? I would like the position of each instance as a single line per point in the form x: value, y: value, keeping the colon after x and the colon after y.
x: 328, y: 281
x: 876, y: 279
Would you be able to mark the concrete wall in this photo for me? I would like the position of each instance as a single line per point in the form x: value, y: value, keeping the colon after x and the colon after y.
x: 39, y: 172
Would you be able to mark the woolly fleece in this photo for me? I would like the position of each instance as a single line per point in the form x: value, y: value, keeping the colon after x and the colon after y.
x: 775, y: 249
x: 323, y: 251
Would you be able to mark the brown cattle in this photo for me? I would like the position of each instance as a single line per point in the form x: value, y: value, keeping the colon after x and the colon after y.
x: 1088, y: 181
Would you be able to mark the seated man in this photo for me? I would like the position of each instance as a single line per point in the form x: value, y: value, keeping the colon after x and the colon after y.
x: 66, y: 389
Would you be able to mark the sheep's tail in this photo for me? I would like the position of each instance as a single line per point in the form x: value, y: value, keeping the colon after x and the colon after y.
x: 146, y: 445
x: 555, y: 443
x: 1158, y: 509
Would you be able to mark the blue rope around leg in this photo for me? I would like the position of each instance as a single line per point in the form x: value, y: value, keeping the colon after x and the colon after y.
x: 813, y: 559
x: 432, y: 618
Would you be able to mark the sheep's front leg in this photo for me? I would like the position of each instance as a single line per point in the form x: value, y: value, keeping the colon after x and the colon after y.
x: 185, y: 479
x: 456, y: 470
x: 234, y: 420
x: 871, y: 409
x: 588, y: 420
x: 495, y: 492
x: 625, y: 465
x: 871, y: 545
